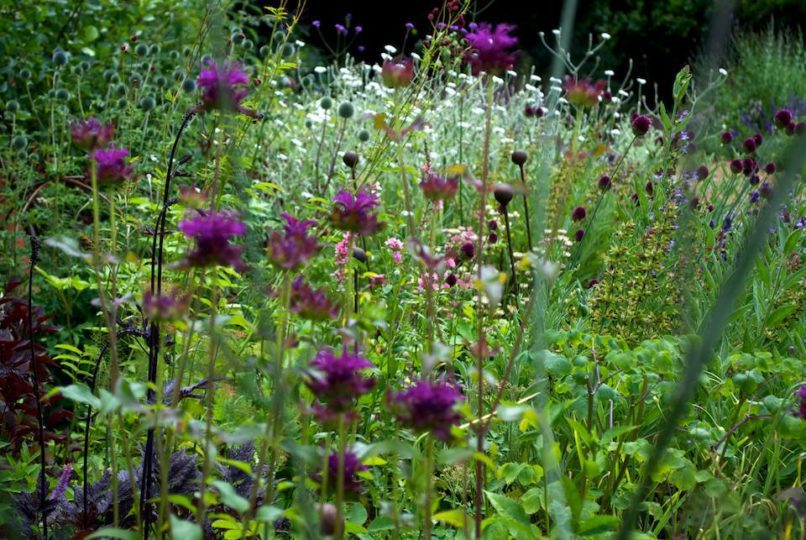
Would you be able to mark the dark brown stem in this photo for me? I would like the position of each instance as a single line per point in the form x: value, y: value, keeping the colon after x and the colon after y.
x: 526, y: 210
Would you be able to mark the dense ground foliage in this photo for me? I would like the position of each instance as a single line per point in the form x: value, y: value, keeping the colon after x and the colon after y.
x: 248, y: 297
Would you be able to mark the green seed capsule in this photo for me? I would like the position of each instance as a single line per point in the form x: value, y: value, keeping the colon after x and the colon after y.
x: 62, y: 94
x: 141, y: 49
x: 326, y: 103
x: 19, y: 142
x: 12, y: 106
x: 363, y: 135
x: 189, y: 85
x: 346, y: 110
x: 59, y: 57
x: 148, y: 103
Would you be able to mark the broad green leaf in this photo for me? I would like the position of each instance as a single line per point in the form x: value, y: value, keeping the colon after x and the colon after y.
x: 186, y: 530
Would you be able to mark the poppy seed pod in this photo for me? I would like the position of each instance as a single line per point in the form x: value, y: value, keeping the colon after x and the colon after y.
x: 519, y: 157
x: 360, y: 255
x: 350, y: 159
x: 503, y: 194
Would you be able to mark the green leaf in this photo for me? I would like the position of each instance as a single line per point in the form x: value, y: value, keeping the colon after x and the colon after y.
x: 556, y: 364
x: 385, y: 523
x: 230, y: 498
x: 112, y: 532
x: 455, y: 518
x: 67, y: 245
x: 187, y: 530
x: 507, y: 507
x: 80, y: 393
x: 268, y: 514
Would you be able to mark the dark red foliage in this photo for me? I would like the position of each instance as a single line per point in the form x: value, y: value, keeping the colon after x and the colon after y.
x: 17, y: 401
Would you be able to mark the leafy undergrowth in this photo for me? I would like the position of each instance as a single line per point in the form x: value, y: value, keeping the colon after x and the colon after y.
x: 433, y: 297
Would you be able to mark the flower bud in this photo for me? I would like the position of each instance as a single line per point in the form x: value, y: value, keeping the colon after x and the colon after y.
x: 503, y: 194
x: 641, y: 125
x: 519, y: 157
x: 346, y: 110
x: 326, y: 103
x: 350, y: 159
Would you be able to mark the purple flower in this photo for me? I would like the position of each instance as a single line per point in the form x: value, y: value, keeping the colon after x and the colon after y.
x: 801, y: 394
x: 354, y: 213
x: 783, y: 118
x: 702, y: 172
x: 726, y: 137
x: 397, y: 73
x: 341, y: 29
x: 436, y: 188
x: 468, y: 250
x: 579, y: 213
x: 293, y: 248
x: 222, y: 87
x: 749, y: 145
x: 61, y: 486
x: 736, y: 166
x: 165, y: 307
x: 409, y: 26
x: 337, y: 380
x: 212, y: 232
x: 352, y: 466
x: 490, y: 49
x: 640, y: 125
x: 605, y: 182
x: 311, y: 304
x: 111, y: 167
x: 358, y: 29
x: 316, y: 23
x: 91, y: 134
x: 427, y: 407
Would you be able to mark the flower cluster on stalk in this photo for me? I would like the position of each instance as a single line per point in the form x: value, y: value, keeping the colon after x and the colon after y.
x: 428, y: 406
x: 338, y: 381
x: 292, y: 248
x: 213, y: 232
x: 490, y: 48
x: 355, y: 212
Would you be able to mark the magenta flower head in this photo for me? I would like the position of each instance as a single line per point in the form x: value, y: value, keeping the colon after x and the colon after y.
x: 801, y: 394
x: 91, y: 134
x: 397, y: 73
x: 110, y: 165
x: 311, y: 304
x: 222, y: 86
x: 640, y: 125
x: 749, y: 145
x: 782, y: 118
x: 166, y: 307
x: 352, y: 468
x: 427, y: 406
x: 293, y: 247
x: 355, y: 213
x: 490, y: 50
x: 436, y: 188
x: 726, y: 137
x: 579, y: 213
x: 337, y: 381
x: 213, y: 232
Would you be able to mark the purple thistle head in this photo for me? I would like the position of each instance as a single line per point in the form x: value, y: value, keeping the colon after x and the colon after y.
x: 311, y: 304
x: 702, y: 172
x: 397, y: 73
x: 222, y: 87
x: 736, y: 166
x: 90, y: 134
x: 337, y: 381
x: 490, y: 50
x: 605, y: 182
x: 801, y: 394
x: 579, y: 213
x: 355, y: 213
x: 640, y: 125
x: 293, y: 248
x: 213, y: 232
x: 436, y: 188
x: 749, y: 145
x: 111, y: 166
x: 427, y: 406
x: 726, y: 137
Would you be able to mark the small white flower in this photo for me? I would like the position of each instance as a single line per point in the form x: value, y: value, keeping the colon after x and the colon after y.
x: 320, y: 69
x: 299, y: 43
x: 723, y: 72
x: 640, y: 80
x: 623, y: 93
x: 615, y: 131
x: 416, y: 56
x: 555, y: 80
x: 390, y: 49
x: 535, y: 78
x: 563, y: 101
x: 530, y: 88
x: 605, y: 36
x: 556, y: 89
x: 609, y: 72
x: 616, y: 115
x: 512, y: 73
x: 556, y: 31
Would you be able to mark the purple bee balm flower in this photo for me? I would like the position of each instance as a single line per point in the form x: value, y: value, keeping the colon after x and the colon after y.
x: 166, y: 307
x: 427, y: 407
x: 293, y: 248
x: 222, y: 87
x: 801, y: 394
x: 354, y: 213
x: 111, y: 166
x: 352, y: 466
x: 490, y: 49
x: 91, y: 134
x: 438, y: 189
x: 337, y: 380
x: 212, y: 232
x: 397, y: 73
x: 640, y: 125
x: 311, y: 304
